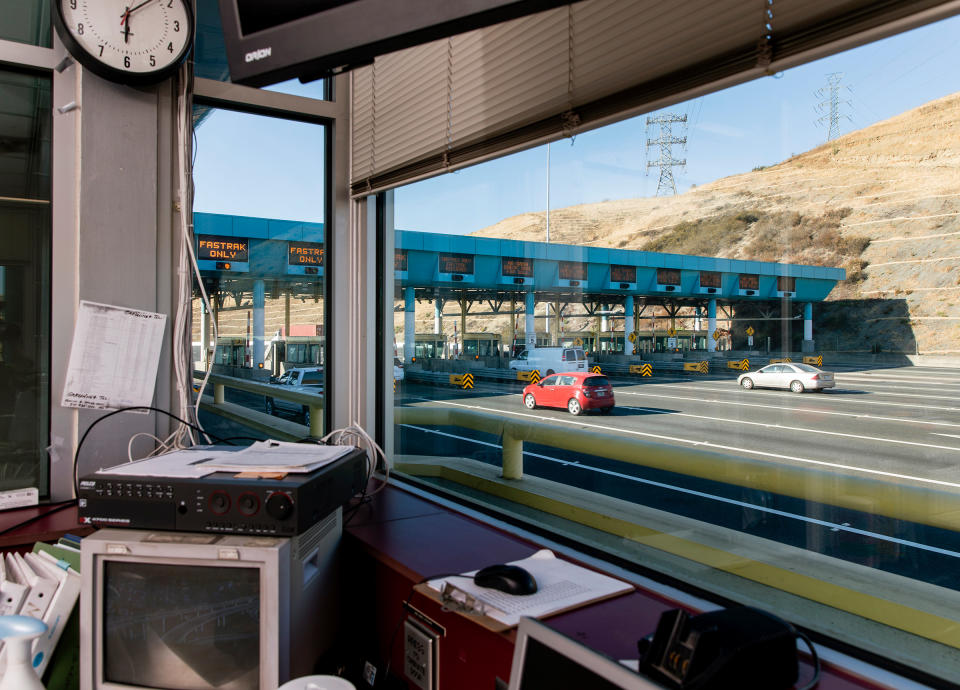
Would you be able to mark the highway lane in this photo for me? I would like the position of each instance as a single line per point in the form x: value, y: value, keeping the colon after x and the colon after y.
x: 900, y: 426
x: 874, y: 428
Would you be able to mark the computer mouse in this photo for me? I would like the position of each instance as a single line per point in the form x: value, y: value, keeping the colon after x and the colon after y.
x: 511, y: 579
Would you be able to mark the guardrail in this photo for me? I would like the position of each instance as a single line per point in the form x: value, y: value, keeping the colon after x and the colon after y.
x: 259, y: 420
x: 922, y: 505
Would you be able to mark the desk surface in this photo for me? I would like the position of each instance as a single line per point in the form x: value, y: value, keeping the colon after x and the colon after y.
x: 47, y: 523
x: 419, y: 539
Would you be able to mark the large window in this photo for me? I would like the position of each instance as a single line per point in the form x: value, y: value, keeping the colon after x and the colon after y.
x: 779, y: 320
x: 25, y: 124
x: 259, y: 216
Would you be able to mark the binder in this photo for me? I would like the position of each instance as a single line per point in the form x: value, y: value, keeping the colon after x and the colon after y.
x: 12, y: 594
x: 40, y: 587
x: 60, y: 608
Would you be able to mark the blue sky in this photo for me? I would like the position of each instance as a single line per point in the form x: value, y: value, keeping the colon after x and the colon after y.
x: 250, y: 165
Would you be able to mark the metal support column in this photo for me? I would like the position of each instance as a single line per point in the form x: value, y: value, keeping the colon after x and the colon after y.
x: 530, y: 321
x: 628, y: 325
x: 259, y: 300
x: 711, y: 325
x: 808, y: 344
x: 513, y: 325
x: 409, y: 324
x: 437, y: 316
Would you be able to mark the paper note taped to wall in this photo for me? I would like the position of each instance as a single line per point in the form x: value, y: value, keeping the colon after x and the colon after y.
x: 114, y: 357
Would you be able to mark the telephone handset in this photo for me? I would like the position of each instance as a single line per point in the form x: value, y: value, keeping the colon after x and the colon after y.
x: 740, y: 647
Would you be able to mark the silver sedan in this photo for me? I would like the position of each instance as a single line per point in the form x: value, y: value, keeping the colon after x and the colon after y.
x: 797, y: 377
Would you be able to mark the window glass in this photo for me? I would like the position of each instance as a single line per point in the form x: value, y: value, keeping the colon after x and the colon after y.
x: 25, y: 125
x: 837, y: 510
x: 260, y: 184
x: 26, y: 21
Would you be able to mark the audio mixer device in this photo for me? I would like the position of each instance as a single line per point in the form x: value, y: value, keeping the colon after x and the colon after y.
x: 228, y: 502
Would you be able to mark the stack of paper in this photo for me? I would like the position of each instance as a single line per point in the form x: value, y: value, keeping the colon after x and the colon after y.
x: 561, y: 585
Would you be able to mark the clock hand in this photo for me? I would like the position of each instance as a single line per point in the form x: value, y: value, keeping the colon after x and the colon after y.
x: 133, y: 9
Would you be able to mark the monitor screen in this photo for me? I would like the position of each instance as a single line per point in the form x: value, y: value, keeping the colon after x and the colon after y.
x: 544, y: 659
x: 182, y: 627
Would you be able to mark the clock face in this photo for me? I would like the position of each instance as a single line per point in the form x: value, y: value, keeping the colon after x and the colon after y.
x: 129, y: 41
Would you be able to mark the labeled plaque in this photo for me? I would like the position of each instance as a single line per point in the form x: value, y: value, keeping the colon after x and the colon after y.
x: 305, y: 254
x: 749, y: 281
x: 456, y: 263
x: 623, y: 274
x: 573, y: 270
x: 668, y: 276
x: 517, y: 267
x: 216, y: 248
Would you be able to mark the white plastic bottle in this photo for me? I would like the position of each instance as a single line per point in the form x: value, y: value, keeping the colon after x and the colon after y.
x: 18, y: 634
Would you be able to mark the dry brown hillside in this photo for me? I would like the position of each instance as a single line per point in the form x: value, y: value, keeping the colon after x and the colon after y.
x: 882, y: 202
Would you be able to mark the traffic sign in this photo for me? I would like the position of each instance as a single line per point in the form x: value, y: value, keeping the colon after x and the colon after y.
x: 672, y: 332
x: 750, y: 330
x: 632, y: 337
x: 578, y: 342
x: 717, y: 334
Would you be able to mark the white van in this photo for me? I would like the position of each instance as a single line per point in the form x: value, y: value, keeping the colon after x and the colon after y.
x: 550, y: 360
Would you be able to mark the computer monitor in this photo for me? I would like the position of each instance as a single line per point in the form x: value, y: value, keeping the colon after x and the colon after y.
x: 198, y: 611
x: 544, y: 659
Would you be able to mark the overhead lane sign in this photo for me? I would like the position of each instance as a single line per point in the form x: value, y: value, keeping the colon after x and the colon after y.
x: 305, y: 258
x: 220, y: 253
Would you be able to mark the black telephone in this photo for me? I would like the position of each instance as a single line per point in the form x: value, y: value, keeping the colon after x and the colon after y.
x: 740, y: 647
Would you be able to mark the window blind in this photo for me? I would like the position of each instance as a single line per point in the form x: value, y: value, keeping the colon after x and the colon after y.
x: 457, y: 101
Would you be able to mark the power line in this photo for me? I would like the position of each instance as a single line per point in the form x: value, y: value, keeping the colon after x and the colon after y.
x: 666, y: 162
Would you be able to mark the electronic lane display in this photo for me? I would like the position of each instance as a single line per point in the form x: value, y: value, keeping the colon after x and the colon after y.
x: 400, y: 260
x: 573, y: 270
x: 786, y: 284
x: 709, y: 279
x: 623, y: 274
x: 749, y: 281
x: 456, y: 263
x: 668, y: 276
x: 216, y: 248
x: 516, y: 267
x: 304, y: 254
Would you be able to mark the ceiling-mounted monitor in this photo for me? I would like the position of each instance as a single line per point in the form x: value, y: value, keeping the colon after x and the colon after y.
x: 268, y: 42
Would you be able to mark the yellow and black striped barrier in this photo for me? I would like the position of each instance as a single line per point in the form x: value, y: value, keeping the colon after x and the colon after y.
x: 816, y: 360
x: 780, y: 360
x: 596, y: 369
x: 703, y: 367
x: 465, y: 381
x: 739, y: 364
x: 645, y: 369
x: 531, y: 376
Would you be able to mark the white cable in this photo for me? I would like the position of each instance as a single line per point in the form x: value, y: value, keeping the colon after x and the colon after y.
x: 161, y: 446
x: 355, y: 435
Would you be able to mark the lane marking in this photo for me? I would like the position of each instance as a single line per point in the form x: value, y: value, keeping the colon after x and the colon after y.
x: 807, y: 409
x: 800, y: 429
x: 704, y: 444
x: 841, y: 527
x: 834, y: 398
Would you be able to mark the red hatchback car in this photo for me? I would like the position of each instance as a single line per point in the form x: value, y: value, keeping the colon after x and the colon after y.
x: 576, y: 391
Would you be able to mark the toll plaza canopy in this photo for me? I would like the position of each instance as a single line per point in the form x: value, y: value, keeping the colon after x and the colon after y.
x: 239, y: 250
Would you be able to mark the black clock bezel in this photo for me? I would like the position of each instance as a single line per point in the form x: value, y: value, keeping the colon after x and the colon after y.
x: 101, y: 69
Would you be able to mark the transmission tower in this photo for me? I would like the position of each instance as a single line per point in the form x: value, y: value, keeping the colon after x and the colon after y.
x: 829, y: 105
x: 666, y: 162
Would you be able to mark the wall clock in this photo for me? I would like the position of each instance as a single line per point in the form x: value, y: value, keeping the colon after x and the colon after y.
x: 131, y: 42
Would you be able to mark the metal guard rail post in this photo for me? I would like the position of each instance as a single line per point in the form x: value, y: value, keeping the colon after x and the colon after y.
x: 918, y: 504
